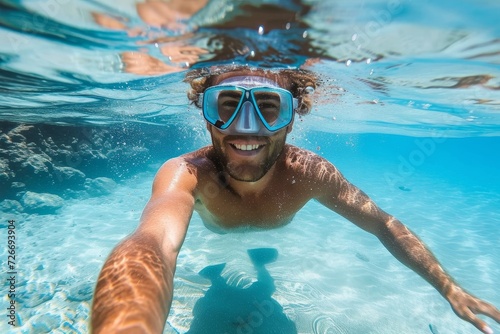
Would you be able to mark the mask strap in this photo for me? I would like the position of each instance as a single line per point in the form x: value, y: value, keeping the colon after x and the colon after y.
x: 249, y: 82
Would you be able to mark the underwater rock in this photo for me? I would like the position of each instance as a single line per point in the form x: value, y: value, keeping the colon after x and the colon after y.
x: 100, y: 186
x: 57, y: 159
x: 25, y: 164
x: 66, y: 327
x: 10, y: 205
x: 22, y: 132
x: 83, y: 309
x: 35, y: 294
x: 5, y: 172
x: 35, y: 164
x: 18, y: 185
x: 41, y: 202
x: 69, y: 175
x: 46, y: 323
x: 81, y: 292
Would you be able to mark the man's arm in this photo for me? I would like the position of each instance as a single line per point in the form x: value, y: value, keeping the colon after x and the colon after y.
x: 135, y: 287
x: 349, y: 201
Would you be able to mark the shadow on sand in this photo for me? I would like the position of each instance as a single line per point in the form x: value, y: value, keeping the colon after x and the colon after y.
x: 228, y: 309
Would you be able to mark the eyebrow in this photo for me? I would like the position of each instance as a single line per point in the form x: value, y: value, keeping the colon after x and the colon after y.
x: 267, y: 96
x: 231, y: 93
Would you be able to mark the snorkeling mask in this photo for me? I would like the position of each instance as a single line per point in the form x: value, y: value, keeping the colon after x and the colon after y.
x: 248, y: 105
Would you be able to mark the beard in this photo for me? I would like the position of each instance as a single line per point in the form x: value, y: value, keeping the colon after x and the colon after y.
x: 244, y: 170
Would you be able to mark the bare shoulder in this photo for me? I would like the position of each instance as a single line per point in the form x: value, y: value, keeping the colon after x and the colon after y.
x: 183, y: 170
x: 191, y: 162
x: 311, y: 166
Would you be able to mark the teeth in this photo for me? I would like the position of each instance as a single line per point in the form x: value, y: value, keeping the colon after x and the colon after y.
x: 246, y: 147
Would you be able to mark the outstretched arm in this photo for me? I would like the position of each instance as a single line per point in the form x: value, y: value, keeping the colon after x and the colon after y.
x: 135, y: 287
x: 412, y: 252
x: 347, y: 200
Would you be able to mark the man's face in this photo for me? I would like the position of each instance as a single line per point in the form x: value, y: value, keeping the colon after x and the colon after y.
x: 247, y: 157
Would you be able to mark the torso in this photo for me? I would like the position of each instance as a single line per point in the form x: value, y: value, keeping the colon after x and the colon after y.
x: 224, y: 210
x: 228, y: 212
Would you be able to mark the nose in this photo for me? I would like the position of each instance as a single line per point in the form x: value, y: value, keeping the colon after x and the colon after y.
x: 247, y: 121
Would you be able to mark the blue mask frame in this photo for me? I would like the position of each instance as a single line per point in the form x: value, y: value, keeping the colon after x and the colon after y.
x: 247, y: 108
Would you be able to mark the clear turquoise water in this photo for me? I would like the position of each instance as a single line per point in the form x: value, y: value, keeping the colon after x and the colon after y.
x: 408, y: 110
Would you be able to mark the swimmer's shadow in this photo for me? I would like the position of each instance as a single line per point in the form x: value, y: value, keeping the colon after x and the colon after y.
x: 228, y: 309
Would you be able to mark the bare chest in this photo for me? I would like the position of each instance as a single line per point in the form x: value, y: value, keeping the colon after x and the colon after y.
x: 223, y: 211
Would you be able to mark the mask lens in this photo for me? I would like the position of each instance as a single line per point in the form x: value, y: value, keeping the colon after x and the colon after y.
x: 275, y: 106
x: 227, y: 104
x: 269, y: 104
x: 220, y: 105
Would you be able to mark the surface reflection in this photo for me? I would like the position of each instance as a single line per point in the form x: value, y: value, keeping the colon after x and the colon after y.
x: 169, y: 41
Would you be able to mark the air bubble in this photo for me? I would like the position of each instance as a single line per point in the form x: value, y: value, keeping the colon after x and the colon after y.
x: 309, y: 90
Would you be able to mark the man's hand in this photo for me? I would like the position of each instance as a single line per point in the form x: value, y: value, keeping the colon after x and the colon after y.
x: 467, y: 306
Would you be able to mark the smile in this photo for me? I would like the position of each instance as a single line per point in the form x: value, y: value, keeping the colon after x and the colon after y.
x: 243, y: 149
x: 246, y: 147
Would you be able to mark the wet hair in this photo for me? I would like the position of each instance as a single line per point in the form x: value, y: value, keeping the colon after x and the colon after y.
x: 301, y: 83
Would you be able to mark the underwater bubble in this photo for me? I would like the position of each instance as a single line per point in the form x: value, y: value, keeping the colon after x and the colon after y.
x: 309, y: 90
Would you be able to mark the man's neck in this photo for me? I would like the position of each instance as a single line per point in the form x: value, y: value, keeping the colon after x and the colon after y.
x: 252, y: 189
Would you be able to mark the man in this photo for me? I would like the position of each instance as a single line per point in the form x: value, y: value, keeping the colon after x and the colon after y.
x: 249, y: 178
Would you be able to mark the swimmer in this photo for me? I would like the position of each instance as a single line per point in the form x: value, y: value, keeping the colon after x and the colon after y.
x: 248, y: 179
